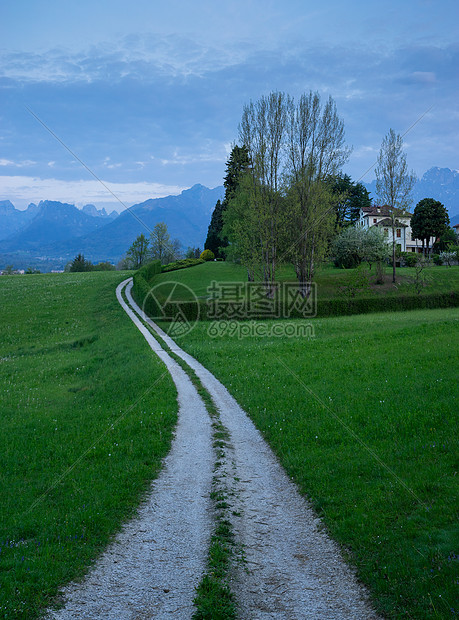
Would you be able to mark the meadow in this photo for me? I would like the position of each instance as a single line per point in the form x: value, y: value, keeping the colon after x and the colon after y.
x: 362, y: 413
x: 87, y: 415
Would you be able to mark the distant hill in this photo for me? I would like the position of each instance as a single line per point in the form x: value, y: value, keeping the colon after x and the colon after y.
x: 53, y: 222
x: 439, y: 183
x: 59, y: 231
x: 94, y: 212
x: 187, y: 217
x: 12, y: 219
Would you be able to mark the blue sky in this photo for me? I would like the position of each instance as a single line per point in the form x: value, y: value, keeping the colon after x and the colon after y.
x: 149, y: 94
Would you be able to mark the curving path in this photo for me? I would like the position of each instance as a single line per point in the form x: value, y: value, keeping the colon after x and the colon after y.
x: 153, y: 567
x: 292, y: 571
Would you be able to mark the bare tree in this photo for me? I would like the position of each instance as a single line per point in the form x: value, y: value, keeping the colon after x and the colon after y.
x: 393, y: 181
x: 262, y: 131
x: 285, y: 213
x: 316, y: 152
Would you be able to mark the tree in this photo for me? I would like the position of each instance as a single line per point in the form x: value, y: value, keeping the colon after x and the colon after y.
x: 137, y: 255
x: 79, y: 263
x: 104, y: 266
x: 430, y: 220
x: 355, y: 244
x: 237, y: 164
x: 193, y: 252
x: 316, y: 152
x: 446, y: 241
x: 262, y: 131
x: 283, y: 208
x: 162, y: 248
x: 350, y: 198
x: 393, y: 181
x: 214, y: 239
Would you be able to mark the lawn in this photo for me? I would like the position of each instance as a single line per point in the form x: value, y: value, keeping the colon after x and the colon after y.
x: 87, y: 415
x: 440, y: 279
x: 363, y: 416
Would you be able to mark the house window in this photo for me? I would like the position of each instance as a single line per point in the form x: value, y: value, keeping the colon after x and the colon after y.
x: 386, y: 232
x: 375, y: 220
x: 399, y: 233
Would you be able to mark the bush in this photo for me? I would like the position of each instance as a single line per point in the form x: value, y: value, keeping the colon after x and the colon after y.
x: 207, y: 255
x: 409, y: 258
x: 448, y: 257
x: 437, y: 259
x: 355, y: 244
x: 105, y: 266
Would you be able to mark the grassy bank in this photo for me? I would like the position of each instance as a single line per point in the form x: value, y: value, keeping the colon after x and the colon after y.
x: 329, y: 279
x: 363, y: 416
x: 220, y: 290
x: 87, y: 415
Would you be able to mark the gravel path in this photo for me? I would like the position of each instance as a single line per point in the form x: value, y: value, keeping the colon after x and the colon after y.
x: 155, y: 564
x: 292, y: 571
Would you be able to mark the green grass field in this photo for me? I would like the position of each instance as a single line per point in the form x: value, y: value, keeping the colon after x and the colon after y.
x: 87, y: 415
x: 363, y: 416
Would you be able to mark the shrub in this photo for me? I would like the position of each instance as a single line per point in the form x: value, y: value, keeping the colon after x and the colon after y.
x: 409, y: 258
x: 355, y: 244
x: 207, y: 255
x: 183, y: 263
x: 448, y: 257
x: 437, y: 259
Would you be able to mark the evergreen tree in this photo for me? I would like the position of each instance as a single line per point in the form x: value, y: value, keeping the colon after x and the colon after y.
x: 79, y: 263
x: 238, y: 162
x: 213, y: 241
x: 351, y: 197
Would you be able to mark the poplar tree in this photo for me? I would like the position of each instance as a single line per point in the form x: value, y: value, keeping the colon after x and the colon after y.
x: 393, y: 182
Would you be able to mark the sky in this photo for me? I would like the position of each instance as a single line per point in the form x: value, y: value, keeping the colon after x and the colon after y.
x: 147, y: 95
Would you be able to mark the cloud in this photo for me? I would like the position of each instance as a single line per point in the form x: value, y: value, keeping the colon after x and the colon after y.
x: 17, y: 164
x: 145, y: 57
x: 22, y: 190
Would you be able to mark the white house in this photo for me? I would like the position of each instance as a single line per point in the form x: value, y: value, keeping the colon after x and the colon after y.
x: 381, y: 216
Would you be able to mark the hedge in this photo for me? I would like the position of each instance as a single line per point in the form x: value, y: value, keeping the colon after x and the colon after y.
x: 184, y: 263
x: 142, y: 286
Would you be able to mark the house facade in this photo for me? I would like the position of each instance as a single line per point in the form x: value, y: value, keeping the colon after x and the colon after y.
x: 380, y: 216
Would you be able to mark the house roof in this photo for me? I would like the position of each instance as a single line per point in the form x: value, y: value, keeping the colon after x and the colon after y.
x: 385, y: 210
x: 388, y: 222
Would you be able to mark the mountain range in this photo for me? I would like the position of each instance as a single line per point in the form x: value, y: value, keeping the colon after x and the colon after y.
x: 439, y: 183
x: 50, y: 234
